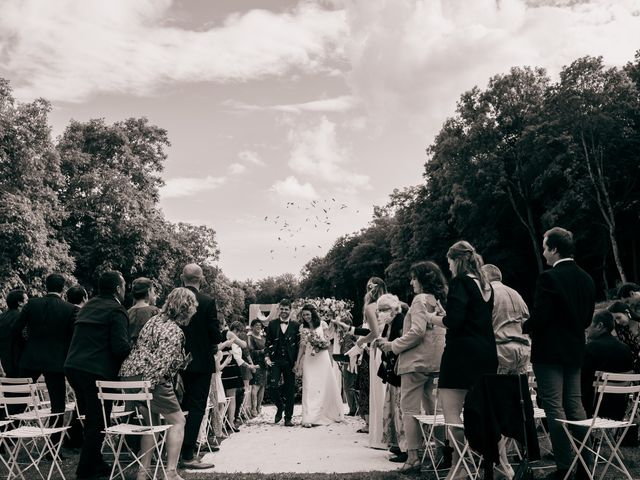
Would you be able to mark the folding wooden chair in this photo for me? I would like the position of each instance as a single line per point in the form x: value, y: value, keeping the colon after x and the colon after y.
x: 115, y: 434
x: 34, y: 440
x: 467, y: 459
x: 604, y: 431
x: 205, y: 429
x: 227, y: 426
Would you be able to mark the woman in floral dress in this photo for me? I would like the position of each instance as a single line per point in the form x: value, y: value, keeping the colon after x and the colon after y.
x: 157, y: 357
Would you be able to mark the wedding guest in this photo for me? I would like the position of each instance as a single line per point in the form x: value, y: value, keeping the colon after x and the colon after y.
x: 156, y: 357
x: 390, y: 313
x: 257, y: 344
x: 11, y: 346
x: 419, y: 350
x: 470, y: 346
x: 604, y: 352
x: 144, y: 307
x: 282, y: 343
x: 629, y: 290
x: 246, y: 369
x: 49, y: 323
x: 99, y: 345
x: 232, y: 374
x: 627, y: 330
x: 562, y: 309
x: 347, y: 339
x: 514, y: 348
x: 202, y: 335
x: 77, y: 295
x: 371, y: 390
x: 509, y: 313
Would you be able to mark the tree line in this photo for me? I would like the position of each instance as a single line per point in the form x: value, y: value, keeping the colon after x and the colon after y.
x: 518, y: 157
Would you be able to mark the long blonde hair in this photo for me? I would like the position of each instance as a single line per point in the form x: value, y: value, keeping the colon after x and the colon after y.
x: 467, y: 261
x: 378, y: 288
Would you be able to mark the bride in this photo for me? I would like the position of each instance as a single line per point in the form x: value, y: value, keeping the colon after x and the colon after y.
x: 321, y: 399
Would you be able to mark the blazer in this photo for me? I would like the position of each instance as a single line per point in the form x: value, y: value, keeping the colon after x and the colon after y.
x: 11, y: 346
x: 202, y: 335
x: 563, y: 306
x: 100, y: 341
x: 291, y: 337
x: 49, y: 322
x: 420, y: 347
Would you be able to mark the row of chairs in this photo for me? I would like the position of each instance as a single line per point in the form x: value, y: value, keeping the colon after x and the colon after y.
x: 28, y: 438
x: 596, y: 441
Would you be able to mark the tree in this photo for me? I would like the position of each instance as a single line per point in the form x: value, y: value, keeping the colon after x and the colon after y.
x: 111, y: 175
x: 29, y: 207
x: 597, y: 108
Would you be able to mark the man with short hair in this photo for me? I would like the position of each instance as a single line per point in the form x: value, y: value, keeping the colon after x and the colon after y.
x: 509, y: 313
x: 282, y: 343
x: 49, y: 325
x: 11, y: 345
x: 604, y: 353
x: 563, y: 306
x: 144, y: 307
x: 202, y: 336
x: 99, y: 345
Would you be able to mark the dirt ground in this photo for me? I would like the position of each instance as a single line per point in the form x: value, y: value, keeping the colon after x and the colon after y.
x: 263, y: 447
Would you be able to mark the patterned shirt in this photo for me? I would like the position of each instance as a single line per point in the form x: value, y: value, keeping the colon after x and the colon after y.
x: 159, y: 352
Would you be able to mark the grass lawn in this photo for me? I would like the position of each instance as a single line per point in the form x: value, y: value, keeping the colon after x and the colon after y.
x: 631, y: 455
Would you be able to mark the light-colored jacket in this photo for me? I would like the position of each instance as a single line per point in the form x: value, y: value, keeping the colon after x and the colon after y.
x: 420, y: 347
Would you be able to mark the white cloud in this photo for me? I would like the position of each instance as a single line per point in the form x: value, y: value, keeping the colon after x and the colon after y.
x: 251, y: 157
x: 237, y: 168
x: 340, y: 104
x: 68, y: 50
x: 291, y: 187
x: 411, y: 59
x: 187, y: 186
x: 315, y: 152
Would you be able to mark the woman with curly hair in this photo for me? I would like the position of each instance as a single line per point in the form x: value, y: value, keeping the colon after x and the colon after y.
x: 470, y: 346
x: 419, y: 351
x: 156, y: 357
x: 321, y: 399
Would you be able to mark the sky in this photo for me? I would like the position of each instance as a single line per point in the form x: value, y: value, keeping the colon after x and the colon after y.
x: 290, y: 120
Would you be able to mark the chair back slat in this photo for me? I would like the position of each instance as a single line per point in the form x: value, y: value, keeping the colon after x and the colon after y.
x: 26, y: 388
x: 124, y: 384
x: 15, y: 381
x: 627, y: 389
x: 140, y: 397
x: 619, y: 377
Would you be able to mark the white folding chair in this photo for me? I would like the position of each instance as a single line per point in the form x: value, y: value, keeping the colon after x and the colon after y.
x: 603, y: 430
x: 115, y: 434
x: 205, y: 428
x: 227, y: 426
x: 467, y: 459
x: 34, y: 440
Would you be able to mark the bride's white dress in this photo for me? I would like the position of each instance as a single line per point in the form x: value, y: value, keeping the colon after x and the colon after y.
x: 321, y: 399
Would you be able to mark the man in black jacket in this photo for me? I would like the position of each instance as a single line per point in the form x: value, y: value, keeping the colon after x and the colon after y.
x: 604, y: 353
x: 11, y: 345
x: 99, y: 345
x: 49, y: 323
x: 202, y: 336
x: 563, y: 306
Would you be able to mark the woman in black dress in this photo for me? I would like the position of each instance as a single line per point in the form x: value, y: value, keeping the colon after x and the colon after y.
x: 470, y: 348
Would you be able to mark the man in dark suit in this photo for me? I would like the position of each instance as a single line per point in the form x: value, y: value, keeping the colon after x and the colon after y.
x: 99, y: 345
x: 604, y: 353
x: 563, y: 306
x: 11, y: 345
x: 202, y: 336
x: 49, y: 323
x: 283, y: 339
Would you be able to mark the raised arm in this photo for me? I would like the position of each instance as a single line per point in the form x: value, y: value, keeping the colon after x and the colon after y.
x: 372, y: 321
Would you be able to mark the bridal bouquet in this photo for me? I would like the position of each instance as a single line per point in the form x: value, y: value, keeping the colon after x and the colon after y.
x: 316, y: 343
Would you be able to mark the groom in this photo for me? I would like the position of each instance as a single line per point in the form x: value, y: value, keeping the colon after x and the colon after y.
x: 283, y: 337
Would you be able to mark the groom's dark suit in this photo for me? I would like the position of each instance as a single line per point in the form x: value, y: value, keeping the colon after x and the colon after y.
x: 282, y: 350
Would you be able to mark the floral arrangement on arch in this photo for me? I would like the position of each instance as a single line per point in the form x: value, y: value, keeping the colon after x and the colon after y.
x: 327, y: 308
